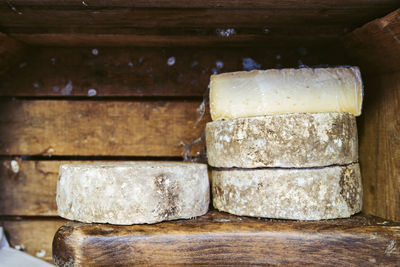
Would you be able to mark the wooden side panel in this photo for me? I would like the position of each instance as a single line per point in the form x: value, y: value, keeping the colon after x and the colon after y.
x: 380, y: 146
x: 34, y: 236
x: 221, y: 239
x: 375, y: 47
x: 106, y: 128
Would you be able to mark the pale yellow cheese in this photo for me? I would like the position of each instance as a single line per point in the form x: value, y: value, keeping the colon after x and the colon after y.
x: 258, y: 93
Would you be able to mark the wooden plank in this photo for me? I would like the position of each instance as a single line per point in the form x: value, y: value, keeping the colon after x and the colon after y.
x: 144, y: 71
x: 28, y: 187
x: 222, y: 239
x: 98, y: 21
x: 376, y: 45
x: 259, y: 39
x: 243, y: 4
x: 11, y: 51
x: 380, y: 146
x: 32, y: 235
x: 112, y: 128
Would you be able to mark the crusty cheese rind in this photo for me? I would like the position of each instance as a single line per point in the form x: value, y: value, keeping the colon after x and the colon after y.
x: 302, y: 194
x: 132, y: 192
x: 283, y: 140
x: 263, y: 92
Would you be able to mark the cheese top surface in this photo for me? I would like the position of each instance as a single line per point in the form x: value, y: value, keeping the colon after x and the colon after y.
x: 259, y: 93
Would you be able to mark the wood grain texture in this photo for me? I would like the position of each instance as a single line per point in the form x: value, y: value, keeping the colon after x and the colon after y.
x: 222, y: 239
x: 144, y: 71
x: 308, y: 4
x: 379, y: 128
x: 241, y: 39
x: 201, y: 23
x: 100, y: 21
x: 376, y: 45
x: 112, y: 128
x: 29, y: 190
x: 32, y: 235
x: 10, y: 52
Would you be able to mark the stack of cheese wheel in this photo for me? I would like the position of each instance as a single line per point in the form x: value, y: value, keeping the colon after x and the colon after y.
x: 283, y: 143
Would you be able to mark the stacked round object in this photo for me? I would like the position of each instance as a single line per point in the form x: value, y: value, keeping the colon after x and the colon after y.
x: 283, y: 143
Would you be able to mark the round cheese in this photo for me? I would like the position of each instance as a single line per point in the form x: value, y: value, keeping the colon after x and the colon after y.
x: 279, y: 91
x: 285, y: 140
x: 302, y: 194
x: 132, y: 192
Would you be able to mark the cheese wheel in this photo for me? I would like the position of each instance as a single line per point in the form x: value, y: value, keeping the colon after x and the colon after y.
x: 285, y: 140
x: 258, y: 93
x: 132, y: 192
x: 302, y: 194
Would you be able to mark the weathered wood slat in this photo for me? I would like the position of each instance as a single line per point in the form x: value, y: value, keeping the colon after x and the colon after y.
x: 287, y: 4
x: 215, y: 40
x: 75, y: 24
x: 380, y: 146
x: 28, y: 187
x: 376, y: 45
x: 222, y: 239
x: 34, y: 236
x: 98, y: 21
x: 112, y: 128
x: 11, y: 51
x: 144, y: 71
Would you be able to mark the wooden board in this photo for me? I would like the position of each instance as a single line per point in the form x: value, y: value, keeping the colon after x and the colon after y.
x: 11, y: 51
x: 240, y: 39
x: 283, y: 4
x: 222, y: 239
x: 30, y: 188
x: 32, y: 235
x: 116, y: 72
x: 102, y: 20
x: 201, y: 23
x: 379, y: 129
x: 107, y: 128
x: 376, y: 45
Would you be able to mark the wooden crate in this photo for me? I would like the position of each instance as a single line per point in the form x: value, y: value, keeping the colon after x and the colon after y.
x: 93, y: 80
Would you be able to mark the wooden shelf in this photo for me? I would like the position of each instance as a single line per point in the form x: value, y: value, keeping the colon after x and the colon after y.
x: 222, y: 239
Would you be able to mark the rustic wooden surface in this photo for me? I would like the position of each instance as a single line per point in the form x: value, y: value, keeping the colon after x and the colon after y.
x: 32, y: 235
x: 376, y: 49
x: 29, y: 190
x: 222, y: 239
x: 118, y: 128
x: 379, y: 129
x: 11, y: 51
x: 283, y: 4
x: 116, y: 72
x: 200, y: 23
x: 376, y: 45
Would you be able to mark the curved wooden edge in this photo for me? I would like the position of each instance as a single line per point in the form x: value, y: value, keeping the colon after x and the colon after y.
x: 223, y: 239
